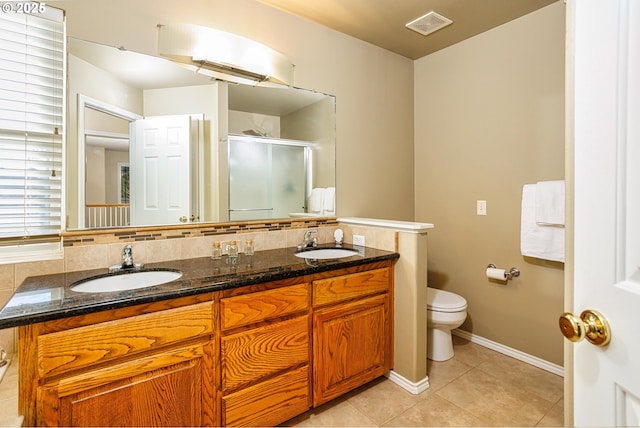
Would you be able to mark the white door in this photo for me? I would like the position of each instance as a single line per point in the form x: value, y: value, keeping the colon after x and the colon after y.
x: 160, y: 170
x: 604, y: 96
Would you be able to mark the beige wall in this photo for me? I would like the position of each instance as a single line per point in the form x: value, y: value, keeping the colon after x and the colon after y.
x: 95, y: 181
x: 373, y: 87
x: 489, y: 117
x: 311, y: 124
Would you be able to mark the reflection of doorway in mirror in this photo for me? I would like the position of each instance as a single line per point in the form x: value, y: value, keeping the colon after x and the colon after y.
x: 123, y: 183
x: 103, y: 153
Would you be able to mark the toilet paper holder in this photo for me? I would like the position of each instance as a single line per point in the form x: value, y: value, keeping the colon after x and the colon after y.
x: 508, y: 274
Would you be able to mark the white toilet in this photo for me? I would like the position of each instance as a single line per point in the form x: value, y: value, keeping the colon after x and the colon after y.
x: 445, y: 311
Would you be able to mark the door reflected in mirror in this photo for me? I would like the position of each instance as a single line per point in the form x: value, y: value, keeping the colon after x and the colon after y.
x: 121, y: 173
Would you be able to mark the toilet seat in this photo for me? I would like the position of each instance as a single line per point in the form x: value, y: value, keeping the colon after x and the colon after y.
x: 444, y: 301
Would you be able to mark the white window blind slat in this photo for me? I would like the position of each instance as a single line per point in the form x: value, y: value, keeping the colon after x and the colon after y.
x: 32, y: 54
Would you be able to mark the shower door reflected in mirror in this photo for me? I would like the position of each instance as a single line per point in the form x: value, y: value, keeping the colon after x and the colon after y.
x: 268, y: 178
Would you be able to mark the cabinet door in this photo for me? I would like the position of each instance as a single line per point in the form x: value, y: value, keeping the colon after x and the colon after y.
x: 172, y: 388
x: 350, y: 346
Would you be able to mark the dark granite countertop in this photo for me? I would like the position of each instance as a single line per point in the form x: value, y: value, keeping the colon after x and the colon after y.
x: 49, y: 297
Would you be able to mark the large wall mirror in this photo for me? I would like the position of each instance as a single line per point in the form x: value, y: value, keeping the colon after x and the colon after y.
x: 152, y: 143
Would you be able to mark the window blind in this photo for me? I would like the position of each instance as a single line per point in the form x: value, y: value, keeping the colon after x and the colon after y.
x: 32, y: 77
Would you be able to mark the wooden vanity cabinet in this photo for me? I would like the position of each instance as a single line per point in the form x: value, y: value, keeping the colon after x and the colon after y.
x: 352, y: 331
x: 257, y: 355
x: 265, y: 350
x: 138, y: 366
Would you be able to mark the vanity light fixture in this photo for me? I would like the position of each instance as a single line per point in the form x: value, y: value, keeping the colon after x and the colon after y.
x: 429, y: 23
x: 223, y: 55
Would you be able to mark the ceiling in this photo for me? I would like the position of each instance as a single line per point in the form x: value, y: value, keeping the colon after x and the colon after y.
x: 382, y: 22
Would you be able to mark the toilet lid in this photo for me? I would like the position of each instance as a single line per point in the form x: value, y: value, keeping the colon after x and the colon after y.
x: 445, y: 301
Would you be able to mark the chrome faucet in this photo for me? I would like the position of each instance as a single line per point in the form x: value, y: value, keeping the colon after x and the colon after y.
x: 308, y: 241
x: 127, y: 257
x: 127, y: 261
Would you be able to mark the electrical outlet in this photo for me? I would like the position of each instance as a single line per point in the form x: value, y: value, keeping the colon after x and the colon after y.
x: 358, y: 240
x: 481, y: 207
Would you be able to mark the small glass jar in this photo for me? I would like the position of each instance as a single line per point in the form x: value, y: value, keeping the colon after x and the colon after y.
x: 232, y: 250
x: 216, y: 253
x: 248, y: 247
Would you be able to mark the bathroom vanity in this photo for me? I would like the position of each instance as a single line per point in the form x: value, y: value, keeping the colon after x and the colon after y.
x: 252, y: 343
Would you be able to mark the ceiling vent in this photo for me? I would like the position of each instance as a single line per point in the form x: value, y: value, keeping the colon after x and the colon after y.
x: 429, y: 23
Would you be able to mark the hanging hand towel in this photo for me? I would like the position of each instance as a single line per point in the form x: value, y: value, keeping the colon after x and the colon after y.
x: 550, y: 202
x: 315, y: 200
x: 542, y: 242
x: 329, y: 201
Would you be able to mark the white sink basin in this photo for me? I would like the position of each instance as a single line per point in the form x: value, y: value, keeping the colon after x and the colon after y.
x: 326, y: 253
x: 126, y: 281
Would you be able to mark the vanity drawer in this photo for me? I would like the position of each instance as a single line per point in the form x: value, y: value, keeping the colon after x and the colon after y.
x: 269, y: 403
x: 255, y: 354
x: 345, y: 287
x: 255, y: 307
x: 86, y: 346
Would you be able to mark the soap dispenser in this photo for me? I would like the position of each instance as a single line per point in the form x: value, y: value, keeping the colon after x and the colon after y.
x: 338, y: 235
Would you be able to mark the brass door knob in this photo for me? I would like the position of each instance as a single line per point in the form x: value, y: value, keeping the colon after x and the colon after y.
x: 590, y: 325
x: 183, y: 219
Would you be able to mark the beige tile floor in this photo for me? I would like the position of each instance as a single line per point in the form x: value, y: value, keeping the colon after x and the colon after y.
x: 478, y: 387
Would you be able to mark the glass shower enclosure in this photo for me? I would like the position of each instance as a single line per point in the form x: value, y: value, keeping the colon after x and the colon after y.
x: 268, y: 177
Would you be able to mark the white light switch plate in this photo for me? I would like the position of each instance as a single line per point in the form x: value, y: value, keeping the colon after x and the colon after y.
x: 481, y: 207
x: 358, y: 240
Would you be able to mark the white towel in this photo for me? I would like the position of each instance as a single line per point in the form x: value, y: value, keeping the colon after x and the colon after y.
x: 550, y: 202
x: 539, y: 241
x: 329, y: 201
x: 315, y: 200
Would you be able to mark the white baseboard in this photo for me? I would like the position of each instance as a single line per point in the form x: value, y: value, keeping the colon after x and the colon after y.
x: 423, y: 385
x: 413, y: 387
x: 514, y: 353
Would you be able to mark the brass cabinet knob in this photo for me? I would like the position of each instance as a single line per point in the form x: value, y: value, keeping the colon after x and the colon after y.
x: 183, y: 219
x: 591, y: 325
